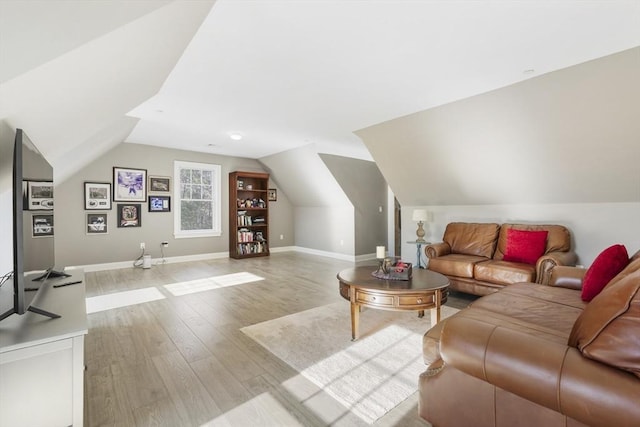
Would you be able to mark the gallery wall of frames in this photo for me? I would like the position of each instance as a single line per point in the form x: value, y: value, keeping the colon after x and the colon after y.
x: 131, y: 192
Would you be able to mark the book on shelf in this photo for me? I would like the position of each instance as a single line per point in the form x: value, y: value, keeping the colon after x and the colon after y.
x: 252, y: 248
x: 244, y: 219
x: 245, y: 235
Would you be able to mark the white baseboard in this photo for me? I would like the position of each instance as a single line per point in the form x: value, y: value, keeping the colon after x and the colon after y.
x: 218, y: 255
x: 335, y: 255
x: 154, y: 261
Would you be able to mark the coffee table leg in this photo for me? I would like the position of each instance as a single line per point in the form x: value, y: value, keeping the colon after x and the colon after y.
x: 355, y: 320
x: 421, y: 314
x: 435, y: 312
x: 435, y: 315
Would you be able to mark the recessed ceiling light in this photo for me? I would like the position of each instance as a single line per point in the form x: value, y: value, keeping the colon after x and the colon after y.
x: 235, y: 136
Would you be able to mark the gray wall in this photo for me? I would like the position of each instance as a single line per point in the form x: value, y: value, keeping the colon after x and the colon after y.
x: 328, y: 230
x: 340, y: 202
x: 365, y: 186
x: 323, y: 214
x: 75, y: 247
x: 560, y: 148
x: 570, y: 136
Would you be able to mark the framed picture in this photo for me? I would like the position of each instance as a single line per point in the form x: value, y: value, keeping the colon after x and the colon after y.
x: 129, y: 215
x: 97, y: 223
x: 129, y: 185
x: 39, y: 196
x: 272, y: 195
x: 97, y: 196
x: 159, y: 204
x: 42, y: 225
x: 159, y: 184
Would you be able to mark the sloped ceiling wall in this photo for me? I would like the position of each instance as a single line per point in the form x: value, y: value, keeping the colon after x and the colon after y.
x: 365, y: 186
x: 571, y: 136
x: 304, y: 177
x: 76, y: 87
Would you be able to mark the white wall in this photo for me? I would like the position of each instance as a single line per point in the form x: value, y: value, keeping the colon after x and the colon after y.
x: 593, y: 226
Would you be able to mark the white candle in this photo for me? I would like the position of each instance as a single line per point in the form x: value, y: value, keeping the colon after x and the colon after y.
x: 380, y: 252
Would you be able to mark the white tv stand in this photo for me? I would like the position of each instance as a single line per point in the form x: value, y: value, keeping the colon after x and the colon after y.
x: 42, y: 359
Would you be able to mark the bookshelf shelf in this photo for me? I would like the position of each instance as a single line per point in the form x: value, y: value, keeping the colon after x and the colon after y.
x: 248, y: 214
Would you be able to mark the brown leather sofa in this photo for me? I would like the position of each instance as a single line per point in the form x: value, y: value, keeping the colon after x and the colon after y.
x: 471, y: 256
x: 537, y: 355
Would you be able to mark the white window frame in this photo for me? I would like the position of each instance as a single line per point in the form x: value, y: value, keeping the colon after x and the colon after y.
x: 216, y: 172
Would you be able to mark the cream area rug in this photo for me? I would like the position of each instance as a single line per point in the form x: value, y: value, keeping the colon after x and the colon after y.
x: 370, y: 376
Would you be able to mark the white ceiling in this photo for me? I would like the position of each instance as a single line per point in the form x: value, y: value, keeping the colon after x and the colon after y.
x: 285, y: 74
x: 77, y: 75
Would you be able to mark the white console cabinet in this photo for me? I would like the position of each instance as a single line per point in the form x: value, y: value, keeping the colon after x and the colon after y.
x: 42, y: 359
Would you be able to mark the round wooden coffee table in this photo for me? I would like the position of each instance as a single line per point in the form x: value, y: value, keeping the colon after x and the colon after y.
x: 426, y: 290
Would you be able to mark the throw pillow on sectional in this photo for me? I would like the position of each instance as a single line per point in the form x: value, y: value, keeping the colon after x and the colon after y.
x: 606, y: 330
x: 605, y: 267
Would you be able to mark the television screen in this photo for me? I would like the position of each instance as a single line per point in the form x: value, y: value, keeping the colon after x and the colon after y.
x: 33, y: 225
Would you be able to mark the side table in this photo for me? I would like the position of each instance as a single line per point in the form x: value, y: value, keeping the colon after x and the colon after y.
x: 419, y: 251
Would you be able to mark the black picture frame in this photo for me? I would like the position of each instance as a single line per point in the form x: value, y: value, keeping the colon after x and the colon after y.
x: 129, y: 185
x: 159, y: 203
x: 272, y: 195
x: 42, y: 225
x: 129, y: 215
x: 97, y: 196
x: 159, y: 184
x: 97, y: 223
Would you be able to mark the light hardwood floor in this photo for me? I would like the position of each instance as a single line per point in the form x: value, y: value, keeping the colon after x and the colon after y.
x: 182, y: 361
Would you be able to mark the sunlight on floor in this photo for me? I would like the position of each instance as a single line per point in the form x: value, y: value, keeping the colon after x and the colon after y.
x: 208, y: 283
x: 263, y: 407
x: 325, y: 407
x: 122, y: 299
x: 139, y: 296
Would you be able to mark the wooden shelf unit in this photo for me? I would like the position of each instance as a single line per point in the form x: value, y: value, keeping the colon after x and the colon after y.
x: 248, y: 214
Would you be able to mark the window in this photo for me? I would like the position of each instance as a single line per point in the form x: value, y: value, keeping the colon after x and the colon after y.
x: 197, y: 194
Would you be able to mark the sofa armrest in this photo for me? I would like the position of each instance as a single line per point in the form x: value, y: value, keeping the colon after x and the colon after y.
x: 435, y: 250
x: 567, y: 277
x: 431, y: 343
x: 548, y: 373
x: 550, y: 260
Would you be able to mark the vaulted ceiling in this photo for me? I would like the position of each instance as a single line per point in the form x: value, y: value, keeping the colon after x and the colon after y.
x: 82, y: 77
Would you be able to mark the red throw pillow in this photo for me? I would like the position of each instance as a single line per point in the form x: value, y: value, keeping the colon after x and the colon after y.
x: 605, y: 267
x: 525, y: 246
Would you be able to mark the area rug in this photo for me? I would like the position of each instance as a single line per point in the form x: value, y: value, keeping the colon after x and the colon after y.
x: 370, y: 376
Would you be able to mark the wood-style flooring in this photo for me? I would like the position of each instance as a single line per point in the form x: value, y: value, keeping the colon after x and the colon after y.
x: 183, y: 361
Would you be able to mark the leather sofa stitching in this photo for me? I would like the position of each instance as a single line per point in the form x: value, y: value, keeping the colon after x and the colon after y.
x: 484, y: 355
x: 558, y: 397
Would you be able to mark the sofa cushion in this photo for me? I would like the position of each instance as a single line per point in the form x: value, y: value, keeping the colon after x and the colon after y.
x: 607, y: 329
x: 546, y: 310
x: 455, y: 264
x: 605, y: 267
x: 558, y: 239
x: 525, y: 246
x: 503, y: 272
x: 467, y: 238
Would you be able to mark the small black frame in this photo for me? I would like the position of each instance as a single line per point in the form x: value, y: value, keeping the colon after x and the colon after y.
x: 159, y: 203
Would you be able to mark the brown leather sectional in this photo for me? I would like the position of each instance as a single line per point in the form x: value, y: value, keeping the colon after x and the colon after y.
x: 537, y: 355
x: 471, y: 256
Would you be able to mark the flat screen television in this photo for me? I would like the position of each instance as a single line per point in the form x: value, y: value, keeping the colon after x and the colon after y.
x: 33, y: 226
